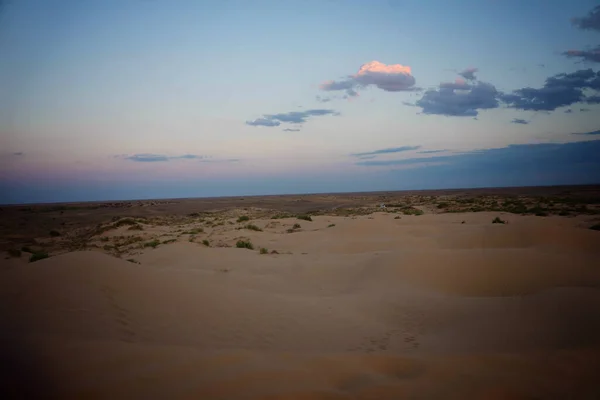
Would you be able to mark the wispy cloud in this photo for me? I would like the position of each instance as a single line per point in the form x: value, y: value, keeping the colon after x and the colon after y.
x: 584, y: 109
x: 292, y: 117
x: 391, y: 78
x: 588, y: 133
x: 568, y: 111
x: 18, y: 153
x: 389, y: 150
x: 291, y: 130
x: 149, y: 157
x: 519, y: 121
x: 431, y: 151
x: 590, y: 55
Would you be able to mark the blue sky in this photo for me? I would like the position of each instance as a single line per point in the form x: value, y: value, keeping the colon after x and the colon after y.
x: 107, y: 99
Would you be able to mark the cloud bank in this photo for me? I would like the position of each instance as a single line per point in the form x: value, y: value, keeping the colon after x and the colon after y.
x: 459, y: 99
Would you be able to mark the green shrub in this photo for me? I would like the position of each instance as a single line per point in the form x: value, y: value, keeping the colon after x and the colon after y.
x: 412, y: 211
x: 244, y: 244
x: 243, y: 218
x: 253, y: 227
x: 497, y: 220
x: 206, y: 243
x: 39, y: 255
x: 154, y: 243
x: 264, y: 251
x: 304, y: 217
x: 330, y: 225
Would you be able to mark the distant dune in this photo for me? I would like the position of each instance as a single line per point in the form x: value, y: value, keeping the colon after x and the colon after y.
x: 374, y: 306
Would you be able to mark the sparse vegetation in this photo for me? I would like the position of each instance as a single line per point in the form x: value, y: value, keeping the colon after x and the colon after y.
x: 412, y: 211
x: 194, y: 231
x: 14, y: 253
x: 26, y: 249
x: 264, y: 251
x: 136, y: 227
x: 39, y: 255
x: 279, y: 216
x: 397, y: 217
x: 253, y: 227
x: 304, y: 217
x: 169, y: 241
x: 54, y: 233
x: 296, y: 226
x: 497, y: 220
x: 131, y: 260
x: 274, y: 252
x: 244, y: 244
x: 153, y: 243
x: 206, y: 243
x: 243, y: 218
x: 330, y: 225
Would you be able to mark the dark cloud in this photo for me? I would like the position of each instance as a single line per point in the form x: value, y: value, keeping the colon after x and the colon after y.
x: 515, y: 165
x: 519, y: 121
x: 292, y: 117
x: 590, y: 21
x: 558, y: 91
x: 593, y: 99
x: 469, y: 74
x: 391, y: 78
x: 18, y: 153
x: 460, y: 103
x: 146, y: 157
x: 389, y: 150
x: 568, y: 111
x: 588, y: 133
x: 584, y: 109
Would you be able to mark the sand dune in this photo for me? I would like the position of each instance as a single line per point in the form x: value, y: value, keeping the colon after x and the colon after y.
x: 371, y: 308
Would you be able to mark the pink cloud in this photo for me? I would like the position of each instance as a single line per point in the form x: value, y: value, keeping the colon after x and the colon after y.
x: 391, y: 78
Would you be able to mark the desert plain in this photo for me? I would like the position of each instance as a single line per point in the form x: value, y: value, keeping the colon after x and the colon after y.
x: 454, y: 294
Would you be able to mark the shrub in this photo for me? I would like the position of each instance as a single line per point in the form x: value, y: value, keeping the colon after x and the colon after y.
x: 169, y: 241
x: 397, y: 217
x: 26, y: 249
x: 264, y: 251
x: 595, y: 227
x: 274, y: 252
x: 154, y: 243
x: 243, y: 218
x: 497, y: 220
x: 304, y: 217
x: 443, y: 205
x: 14, y: 252
x: 296, y: 226
x: 39, y: 255
x: 54, y: 233
x: 330, y: 225
x: 136, y: 227
x: 206, y: 243
x: 412, y: 211
x: 244, y: 244
x: 253, y: 227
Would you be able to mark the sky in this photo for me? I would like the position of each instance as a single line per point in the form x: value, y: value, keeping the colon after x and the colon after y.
x: 136, y: 99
